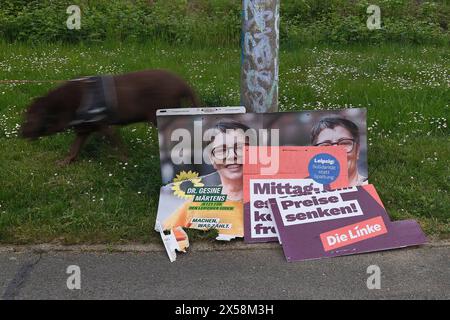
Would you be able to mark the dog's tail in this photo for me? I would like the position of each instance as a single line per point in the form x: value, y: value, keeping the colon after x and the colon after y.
x: 192, y: 96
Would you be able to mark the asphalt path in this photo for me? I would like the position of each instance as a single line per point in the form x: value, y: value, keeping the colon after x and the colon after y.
x: 257, y: 274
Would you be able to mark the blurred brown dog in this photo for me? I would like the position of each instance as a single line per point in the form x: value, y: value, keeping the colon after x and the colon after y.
x: 135, y: 98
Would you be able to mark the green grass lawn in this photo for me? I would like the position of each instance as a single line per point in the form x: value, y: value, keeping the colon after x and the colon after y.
x: 98, y: 199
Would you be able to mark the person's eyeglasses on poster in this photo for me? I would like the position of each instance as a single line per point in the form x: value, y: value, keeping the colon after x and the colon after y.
x: 224, y: 152
x: 348, y: 144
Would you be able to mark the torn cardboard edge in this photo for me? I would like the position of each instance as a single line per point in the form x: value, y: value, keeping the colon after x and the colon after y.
x: 175, y: 240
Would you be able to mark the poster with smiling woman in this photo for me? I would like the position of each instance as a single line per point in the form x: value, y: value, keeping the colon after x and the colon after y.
x: 202, y: 159
x: 201, y: 166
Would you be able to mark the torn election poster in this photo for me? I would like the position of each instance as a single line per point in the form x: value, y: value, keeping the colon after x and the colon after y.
x: 202, y: 172
x: 339, y: 222
x: 175, y: 240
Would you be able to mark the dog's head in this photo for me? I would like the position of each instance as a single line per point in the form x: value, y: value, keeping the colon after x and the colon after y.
x: 42, y: 118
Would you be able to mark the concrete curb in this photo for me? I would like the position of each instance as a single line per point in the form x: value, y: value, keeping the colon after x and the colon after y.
x: 102, y: 248
x: 143, y: 248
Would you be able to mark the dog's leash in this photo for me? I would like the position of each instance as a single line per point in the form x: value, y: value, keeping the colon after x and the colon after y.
x: 31, y: 81
x: 40, y: 81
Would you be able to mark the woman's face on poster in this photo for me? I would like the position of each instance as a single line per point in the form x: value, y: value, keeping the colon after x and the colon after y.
x: 227, y: 154
x: 342, y: 137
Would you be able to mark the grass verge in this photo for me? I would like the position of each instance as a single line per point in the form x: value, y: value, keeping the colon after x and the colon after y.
x: 102, y: 200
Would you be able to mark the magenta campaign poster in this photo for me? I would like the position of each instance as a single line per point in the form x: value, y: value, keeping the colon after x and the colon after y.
x: 347, y: 221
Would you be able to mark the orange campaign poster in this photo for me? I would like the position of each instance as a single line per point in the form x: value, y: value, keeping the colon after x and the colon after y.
x: 313, y: 168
